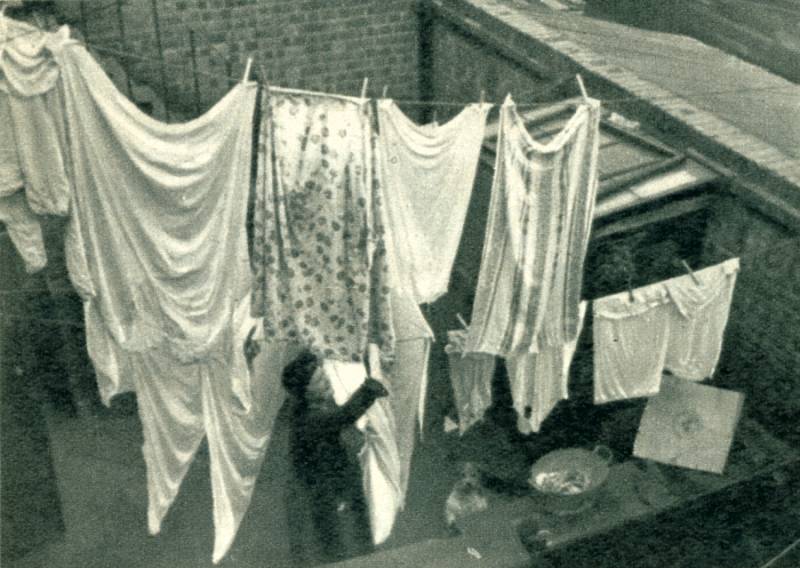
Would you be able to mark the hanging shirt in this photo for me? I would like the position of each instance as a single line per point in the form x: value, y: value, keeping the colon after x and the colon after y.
x: 540, y: 380
x: 677, y: 325
x: 537, y: 232
x: 380, y: 458
x: 698, y: 324
x: 318, y: 255
x: 471, y: 377
x: 161, y: 218
x: 428, y: 173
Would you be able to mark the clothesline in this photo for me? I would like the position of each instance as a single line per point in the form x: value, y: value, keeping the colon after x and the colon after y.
x: 432, y: 103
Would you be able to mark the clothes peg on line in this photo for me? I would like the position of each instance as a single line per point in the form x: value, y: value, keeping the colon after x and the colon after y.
x: 691, y: 272
x: 364, y: 88
x: 483, y: 96
x: 435, y: 117
x: 462, y: 321
x: 582, y: 87
x: 263, y: 72
x: 385, y: 89
x: 247, y: 69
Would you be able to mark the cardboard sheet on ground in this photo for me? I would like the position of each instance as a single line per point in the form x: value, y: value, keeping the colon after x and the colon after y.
x: 689, y: 425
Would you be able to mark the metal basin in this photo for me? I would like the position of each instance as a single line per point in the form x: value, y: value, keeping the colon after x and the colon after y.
x: 566, y: 481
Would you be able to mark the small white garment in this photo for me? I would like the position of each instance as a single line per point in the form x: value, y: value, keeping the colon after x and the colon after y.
x: 380, y: 457
x: 675, y: 325
x: 698, y: 325
x: 428, y: 174
x: 539, y: 381
x: 538, y: 227
x: 24, y: 230
x: 160, y: 215
x: 630, y: 343
x: 471, y: 377
x: 409, y: 378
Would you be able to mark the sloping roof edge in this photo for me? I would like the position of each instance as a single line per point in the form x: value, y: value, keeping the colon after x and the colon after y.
x: 769, y: 178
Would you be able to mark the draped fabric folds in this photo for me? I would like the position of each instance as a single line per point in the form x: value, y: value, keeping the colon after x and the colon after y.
x: 539, y: 381
x: 33, y: 148
x: 540, y: 216
x: 409, y: 379
x: 319, y: 257
x: 428, y: 174
x: 380, y: 458
x: 160, y: 216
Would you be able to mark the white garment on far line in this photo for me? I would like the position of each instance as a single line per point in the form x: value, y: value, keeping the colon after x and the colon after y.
x: 471, y: 376
x: 675, y: 325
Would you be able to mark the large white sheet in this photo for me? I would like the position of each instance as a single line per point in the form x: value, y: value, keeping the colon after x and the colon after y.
x: 160, y: 219
x: 428, y: 173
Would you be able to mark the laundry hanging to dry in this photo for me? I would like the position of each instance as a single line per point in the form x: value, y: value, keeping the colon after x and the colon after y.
x: 539, y: 220
x: 676, y: 325
x: 160, y: 256
x: 427, y: 177
x: 34, y: 175
x: 539, y: 381
x: 321, y: 272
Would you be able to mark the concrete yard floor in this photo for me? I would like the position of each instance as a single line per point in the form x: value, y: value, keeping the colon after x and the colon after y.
x: 101, y: 476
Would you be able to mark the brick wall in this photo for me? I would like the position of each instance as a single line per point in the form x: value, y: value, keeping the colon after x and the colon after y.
x: 311, y: 44
x: 761, y: 355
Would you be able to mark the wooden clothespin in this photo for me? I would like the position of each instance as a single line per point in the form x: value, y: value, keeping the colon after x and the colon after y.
x: 631, y: 297
x: 435, y: 117
x: 364, y: 88
x: 263, y: 71
x: 691, y: 272
x: 462, y: 321
x: 483, y: 97
x: 385, y: 90
x: 582, y: 87
x: 247, y: 69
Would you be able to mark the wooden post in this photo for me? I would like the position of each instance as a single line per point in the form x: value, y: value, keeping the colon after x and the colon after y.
x: 192, y: 47
x: 160, y: 47
x: 84, y: 21
x: 123, y: 43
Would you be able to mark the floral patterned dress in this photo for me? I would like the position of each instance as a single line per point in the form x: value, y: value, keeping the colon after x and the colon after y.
x: 321, y: 273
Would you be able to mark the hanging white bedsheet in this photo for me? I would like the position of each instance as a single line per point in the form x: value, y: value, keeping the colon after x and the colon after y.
x: 161, y: 217
x: 428, y: 173
x: 380, y: 458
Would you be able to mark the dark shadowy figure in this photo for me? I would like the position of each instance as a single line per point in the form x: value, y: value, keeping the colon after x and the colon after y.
x: 327, y: 512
